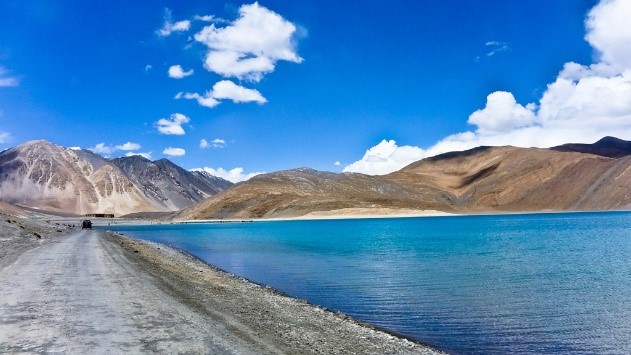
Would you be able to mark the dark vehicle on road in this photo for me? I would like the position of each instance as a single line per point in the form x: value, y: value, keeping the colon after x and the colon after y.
x: 86, y: 224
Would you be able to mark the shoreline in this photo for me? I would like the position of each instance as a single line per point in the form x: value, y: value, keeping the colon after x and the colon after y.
x: 104, y: 222
x: 186, y: 268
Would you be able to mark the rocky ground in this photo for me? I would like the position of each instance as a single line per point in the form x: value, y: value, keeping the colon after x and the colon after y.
x: 21, y: 230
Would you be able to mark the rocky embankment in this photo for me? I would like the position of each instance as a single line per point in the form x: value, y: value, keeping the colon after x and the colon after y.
x: 21, y: 230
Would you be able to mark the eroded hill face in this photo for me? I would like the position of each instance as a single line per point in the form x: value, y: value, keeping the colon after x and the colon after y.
x: 484, y: 179
x: 43, y: 175
x: 519, y: 179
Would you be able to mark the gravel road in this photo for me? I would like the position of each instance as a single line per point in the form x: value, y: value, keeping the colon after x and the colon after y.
x: 81, y: 295
x: 92, y: 292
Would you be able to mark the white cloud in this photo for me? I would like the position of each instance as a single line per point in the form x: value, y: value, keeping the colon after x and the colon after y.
x: 249, y: 47
x: 106, y: 150
x: 128, y: 146
x: 170, y: 27
x: 176, y: 72
x: 337, y: 163
x: 608, y: 32
x: 172, y: 125
x: 224, y: 90
x: 6, y: 80
x: 502, y: 114
x: 101, y: 148
x: 215, y: 143
x: 235, y: 175
x: 582, y: 105
x: 227, y: 90
x: 148, y: 67
x: 207, y: 100
x: 385, y: 158
x: 176, y: 152
x: 146, y: 155
x: 218, y: 143
x: 74, y: 148
x: 209, y: 18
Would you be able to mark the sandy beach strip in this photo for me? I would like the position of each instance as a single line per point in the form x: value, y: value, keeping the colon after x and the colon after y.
x: 344, y: 213
x: 93, y: 291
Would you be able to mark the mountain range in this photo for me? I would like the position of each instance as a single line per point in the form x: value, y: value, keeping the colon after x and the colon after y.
x: 570, y: 177
x: 43, y: 175
x: 484, y: 179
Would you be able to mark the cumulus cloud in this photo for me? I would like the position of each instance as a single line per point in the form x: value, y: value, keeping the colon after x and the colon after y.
x: 146, y: 155
x: 227, y: 90
x: 608, y: 32
x: 582, y: 105
x: 172, y: 125
x: 249, y: 47
x: 337, y: 163
x: 234, y: 175
x: 384, y: 158
x: 175, y: 152
x: 128, y: 146
x: 170, y: 27
x: 502, y: 114
x: 224, y: 90
x: 6, y: 80
x: 176, y: 72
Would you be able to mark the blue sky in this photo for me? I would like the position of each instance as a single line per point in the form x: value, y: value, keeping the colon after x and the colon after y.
x: 371, y: 85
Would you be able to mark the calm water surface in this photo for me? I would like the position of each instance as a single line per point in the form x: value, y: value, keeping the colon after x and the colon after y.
x: 538, y: 283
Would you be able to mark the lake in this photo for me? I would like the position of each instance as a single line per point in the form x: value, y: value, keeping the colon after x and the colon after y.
x: 529, y: 283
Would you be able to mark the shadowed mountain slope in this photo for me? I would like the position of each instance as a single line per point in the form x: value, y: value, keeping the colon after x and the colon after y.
x: 607, y: 147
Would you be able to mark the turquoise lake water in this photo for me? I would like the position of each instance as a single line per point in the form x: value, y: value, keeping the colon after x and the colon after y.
x: 533, y: 283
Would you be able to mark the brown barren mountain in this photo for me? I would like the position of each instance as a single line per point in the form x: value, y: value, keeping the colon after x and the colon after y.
x: 484, y: 179
x: 522, y: 179
x: 298, y: 192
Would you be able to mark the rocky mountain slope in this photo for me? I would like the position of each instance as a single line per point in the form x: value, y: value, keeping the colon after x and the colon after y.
x: 175, y: 187
x: 483, y: 179
x: 43, y: 175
